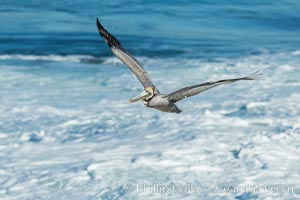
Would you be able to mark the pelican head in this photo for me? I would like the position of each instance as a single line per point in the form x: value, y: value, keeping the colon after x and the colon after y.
x: 147, y: 94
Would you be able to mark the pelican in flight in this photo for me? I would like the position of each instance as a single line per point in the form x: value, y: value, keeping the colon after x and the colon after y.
x: 151, y: 96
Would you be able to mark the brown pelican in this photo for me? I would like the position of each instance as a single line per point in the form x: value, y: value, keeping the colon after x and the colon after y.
x: 151, y: 96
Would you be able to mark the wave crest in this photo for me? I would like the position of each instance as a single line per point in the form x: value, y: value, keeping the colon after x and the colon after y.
x: 54, y: 58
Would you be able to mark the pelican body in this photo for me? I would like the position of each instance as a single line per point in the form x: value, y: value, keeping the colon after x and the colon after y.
x: 151, y: 96
x: 160, y: 102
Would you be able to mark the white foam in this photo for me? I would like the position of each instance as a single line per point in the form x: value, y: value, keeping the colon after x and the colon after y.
x: 3, y: 135
x: 56, y: 58
x: 246, y: 132
x: 296, y: 53
x: 256, y: 104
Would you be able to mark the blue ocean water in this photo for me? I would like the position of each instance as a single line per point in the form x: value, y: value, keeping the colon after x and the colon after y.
x: 67, y: 130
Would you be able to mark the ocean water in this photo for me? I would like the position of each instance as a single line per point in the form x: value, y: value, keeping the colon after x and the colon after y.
x: 67, y: 130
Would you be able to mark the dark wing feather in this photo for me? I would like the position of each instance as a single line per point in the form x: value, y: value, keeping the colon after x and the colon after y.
x: 196, y: 89
x: 125, y: 57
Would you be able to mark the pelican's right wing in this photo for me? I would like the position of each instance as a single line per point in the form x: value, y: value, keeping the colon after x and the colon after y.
x: 196, y: 89
x: 124, y: 56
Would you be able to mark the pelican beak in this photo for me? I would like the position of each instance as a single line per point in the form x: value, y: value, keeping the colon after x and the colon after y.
x: 143, y: 95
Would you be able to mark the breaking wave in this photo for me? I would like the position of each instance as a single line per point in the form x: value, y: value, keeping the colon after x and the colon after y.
x: 72, y: 132
x: 54, y: 58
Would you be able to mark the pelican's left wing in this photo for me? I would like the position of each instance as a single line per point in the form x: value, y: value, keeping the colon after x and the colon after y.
x: 196, y: 89
x: 125, y: 57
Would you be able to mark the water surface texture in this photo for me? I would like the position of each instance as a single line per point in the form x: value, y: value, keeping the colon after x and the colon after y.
x: 67, y: 130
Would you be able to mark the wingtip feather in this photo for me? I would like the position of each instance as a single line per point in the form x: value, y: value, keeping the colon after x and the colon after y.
x: 257, y: 75
x: 99, y: 25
